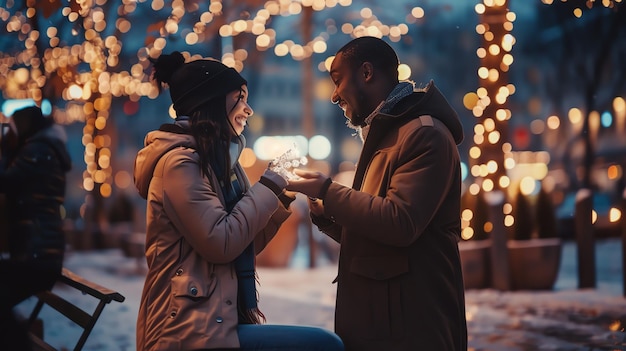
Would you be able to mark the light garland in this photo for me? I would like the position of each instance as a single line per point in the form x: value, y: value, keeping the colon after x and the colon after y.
x: 89, y: 94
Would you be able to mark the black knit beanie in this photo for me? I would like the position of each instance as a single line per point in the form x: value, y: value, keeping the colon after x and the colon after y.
x: 194, y: 83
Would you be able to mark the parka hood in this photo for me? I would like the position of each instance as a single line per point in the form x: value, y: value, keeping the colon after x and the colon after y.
x: 156, y: 144
x: 428, y: 101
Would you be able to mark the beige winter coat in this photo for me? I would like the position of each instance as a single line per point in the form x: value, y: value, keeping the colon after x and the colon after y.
x: 189, y: 300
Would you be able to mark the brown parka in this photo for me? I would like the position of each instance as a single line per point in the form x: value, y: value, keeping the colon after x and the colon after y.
x: 400, y: 285
x: 189, y: 299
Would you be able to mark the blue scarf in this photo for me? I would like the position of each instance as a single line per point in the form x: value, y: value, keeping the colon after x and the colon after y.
x: 247, y: 308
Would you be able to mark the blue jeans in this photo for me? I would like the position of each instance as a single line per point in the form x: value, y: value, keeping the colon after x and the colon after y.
x: 266, y: 337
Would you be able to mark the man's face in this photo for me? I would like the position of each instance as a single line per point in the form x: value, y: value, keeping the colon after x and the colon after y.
x: 348, y: 93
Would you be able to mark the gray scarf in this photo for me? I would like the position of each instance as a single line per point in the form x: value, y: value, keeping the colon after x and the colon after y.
x: 402, y: 90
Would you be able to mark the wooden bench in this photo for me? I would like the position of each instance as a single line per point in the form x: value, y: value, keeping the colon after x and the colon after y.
x: 72, y: 312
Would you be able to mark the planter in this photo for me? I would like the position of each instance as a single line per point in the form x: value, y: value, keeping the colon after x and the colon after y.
x: 475, y: 262
x: 534, y: 263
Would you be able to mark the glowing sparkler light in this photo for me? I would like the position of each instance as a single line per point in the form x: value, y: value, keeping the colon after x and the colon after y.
x: 285, y: 163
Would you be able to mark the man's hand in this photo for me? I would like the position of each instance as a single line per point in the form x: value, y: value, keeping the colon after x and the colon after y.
x: 316, y: 207
x: 311, y: 184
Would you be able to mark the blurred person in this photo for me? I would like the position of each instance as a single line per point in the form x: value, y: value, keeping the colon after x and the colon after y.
x: 206, y: 223
x: 399, y: 283
x: 33, y: 181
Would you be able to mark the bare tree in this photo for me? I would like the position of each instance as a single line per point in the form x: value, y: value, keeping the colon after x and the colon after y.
x: 578, y: 61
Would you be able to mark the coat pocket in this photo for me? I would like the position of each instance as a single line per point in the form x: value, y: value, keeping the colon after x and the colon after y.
x: 189, y: 308
x: 193, y: 287
x: 188, y: 297
x: 376, y: 304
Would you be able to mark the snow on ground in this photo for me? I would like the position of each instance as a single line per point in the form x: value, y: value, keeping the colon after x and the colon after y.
x: 566, y: 318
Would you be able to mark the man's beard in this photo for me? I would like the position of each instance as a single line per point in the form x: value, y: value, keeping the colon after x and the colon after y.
x: 351, y: 124
x: 357, y: 120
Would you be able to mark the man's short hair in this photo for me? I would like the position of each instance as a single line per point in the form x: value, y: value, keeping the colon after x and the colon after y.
x: 373, y: 50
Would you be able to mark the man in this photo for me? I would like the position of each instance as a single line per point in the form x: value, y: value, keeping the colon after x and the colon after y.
x: 400, y: 285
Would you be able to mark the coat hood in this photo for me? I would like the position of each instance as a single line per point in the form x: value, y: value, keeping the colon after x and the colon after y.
x: 156, y: 144
x: 428, y: 101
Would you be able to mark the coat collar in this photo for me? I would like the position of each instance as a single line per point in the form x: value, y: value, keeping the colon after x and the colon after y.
x: 426, y: 101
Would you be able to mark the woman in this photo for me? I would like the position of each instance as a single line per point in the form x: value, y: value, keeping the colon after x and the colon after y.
x: 205, y: 223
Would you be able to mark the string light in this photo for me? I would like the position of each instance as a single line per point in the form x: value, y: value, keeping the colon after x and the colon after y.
x: 99, y: 42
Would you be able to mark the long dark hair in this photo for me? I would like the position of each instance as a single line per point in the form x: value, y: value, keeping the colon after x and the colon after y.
x: 210, y: 128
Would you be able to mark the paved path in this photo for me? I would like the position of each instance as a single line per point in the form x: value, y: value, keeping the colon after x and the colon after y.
x: 497, y: 321
x: 566, y: 319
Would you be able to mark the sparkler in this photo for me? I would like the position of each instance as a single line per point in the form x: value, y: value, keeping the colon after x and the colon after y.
x: 285, y: 163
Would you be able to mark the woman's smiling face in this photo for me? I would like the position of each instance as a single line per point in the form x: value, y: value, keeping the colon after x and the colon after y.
x: 238, y: 109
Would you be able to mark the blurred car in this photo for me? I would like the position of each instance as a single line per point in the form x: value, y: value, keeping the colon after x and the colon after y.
x: 606, y: 216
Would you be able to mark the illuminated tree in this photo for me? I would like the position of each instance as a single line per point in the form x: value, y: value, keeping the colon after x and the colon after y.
x: 76, y: 54
x: 86, y: 56
x: 491, y: 156
x: 577, y: 55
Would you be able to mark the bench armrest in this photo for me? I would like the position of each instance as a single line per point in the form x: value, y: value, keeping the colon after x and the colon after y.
x: 74, y: 280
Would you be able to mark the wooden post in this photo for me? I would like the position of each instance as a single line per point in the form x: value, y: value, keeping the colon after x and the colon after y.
x: 585, y: 239
x: 500, y: 272
x: 623, y: 220
x: 308, y: 117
